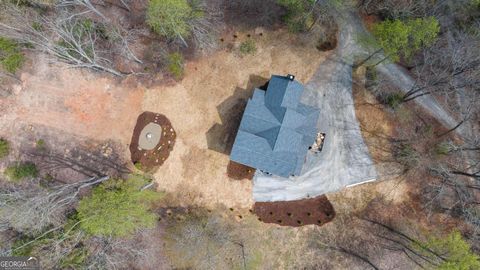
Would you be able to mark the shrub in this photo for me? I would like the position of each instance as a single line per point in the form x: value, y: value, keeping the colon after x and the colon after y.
x: 297, y: 18
x: 40, y: 144
x: 393, y: 100
x: 442, y: 148
x: 118, y: 208
x: 11, y: 58
x: 4, y: 148
x: 175, y: 65
x: 406, y: 155
x: 138, y: 166
x: 169, y: 18
x: 21, y: 170
x: 248, y: 47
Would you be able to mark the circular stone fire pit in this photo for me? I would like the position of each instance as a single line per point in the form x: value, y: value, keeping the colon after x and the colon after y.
x: 153, y: 139
x: 150, y: 136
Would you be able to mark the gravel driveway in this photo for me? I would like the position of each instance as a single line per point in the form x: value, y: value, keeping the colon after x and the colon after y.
x: 344, y: 159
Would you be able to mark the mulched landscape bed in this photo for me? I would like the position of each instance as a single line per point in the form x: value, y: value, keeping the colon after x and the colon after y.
x: 150, y: 159
x: 297, y: 213
x: 239, y: 171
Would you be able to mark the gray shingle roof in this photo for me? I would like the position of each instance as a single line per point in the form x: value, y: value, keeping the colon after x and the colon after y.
x: 276, y: 129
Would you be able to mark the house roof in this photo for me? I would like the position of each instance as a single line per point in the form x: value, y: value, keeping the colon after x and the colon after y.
x: 276, y: 129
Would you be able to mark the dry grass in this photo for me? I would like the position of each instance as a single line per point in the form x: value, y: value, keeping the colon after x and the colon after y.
x: 210, y: 90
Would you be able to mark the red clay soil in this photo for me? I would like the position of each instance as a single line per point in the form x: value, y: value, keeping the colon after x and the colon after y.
x: 297, y: 213
x: 239, y: 171
x: 150, y: 159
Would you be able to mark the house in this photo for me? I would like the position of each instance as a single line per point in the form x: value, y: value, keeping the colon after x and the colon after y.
x: 276, y: 130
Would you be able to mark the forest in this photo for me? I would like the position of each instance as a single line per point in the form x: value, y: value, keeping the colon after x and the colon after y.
x: 75, y: 74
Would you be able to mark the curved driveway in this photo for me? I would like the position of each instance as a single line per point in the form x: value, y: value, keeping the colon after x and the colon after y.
x: 345, y: 159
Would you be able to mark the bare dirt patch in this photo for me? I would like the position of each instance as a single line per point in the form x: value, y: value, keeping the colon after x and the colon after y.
x: 209, y: 95
x: 63, y: 156
x: 89, y: 106
x: 76, y: 101
x: 84, y: 119
x: 150, y: 159
x: 316, y: 211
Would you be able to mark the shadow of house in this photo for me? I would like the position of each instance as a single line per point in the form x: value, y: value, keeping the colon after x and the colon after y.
x: 220, y: 136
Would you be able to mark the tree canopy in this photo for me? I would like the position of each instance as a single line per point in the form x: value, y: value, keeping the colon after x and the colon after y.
x: 170, y: 18
x: 403, y: 38
x: 299, y: 14
x: 455, y: 251
x: 118, y: 208
x: 451, y: 252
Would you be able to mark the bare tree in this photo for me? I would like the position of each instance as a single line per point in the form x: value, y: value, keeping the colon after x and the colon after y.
x: 70, y: 36
x: 30, y: 210
x: 69, y: 39
x: 456, y: 188
x: 120, y: 37
x: 140, y: 250
x: 395, y: 9
x: 205, y: 28
x: 87, y: 4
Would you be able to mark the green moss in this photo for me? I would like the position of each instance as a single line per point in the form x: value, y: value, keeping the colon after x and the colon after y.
x: 248, y: 47
x: 21, y: 170
x: 11, y: 57
x: 4, y: 148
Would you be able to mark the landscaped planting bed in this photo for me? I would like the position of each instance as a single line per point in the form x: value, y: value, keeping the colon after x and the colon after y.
x: 316, y: 211
x: 147, y: 160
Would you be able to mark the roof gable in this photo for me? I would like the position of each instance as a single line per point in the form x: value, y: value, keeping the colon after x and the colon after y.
x: 276, y: 129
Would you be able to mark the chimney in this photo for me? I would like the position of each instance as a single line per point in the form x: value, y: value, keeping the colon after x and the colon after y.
x: 291, y: 77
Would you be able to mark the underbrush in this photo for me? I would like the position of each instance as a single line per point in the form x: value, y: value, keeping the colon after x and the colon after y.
x: 4, y: 148
x: 175, y: 65
x: 248, y: 47
x: 21, y: 171
x: 11, y: 58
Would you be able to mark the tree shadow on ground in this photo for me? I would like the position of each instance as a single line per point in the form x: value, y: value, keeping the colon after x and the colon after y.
x: 88, y: 163
x: 65, y: 157
x: 220, y: 136
x: 252, y: 13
